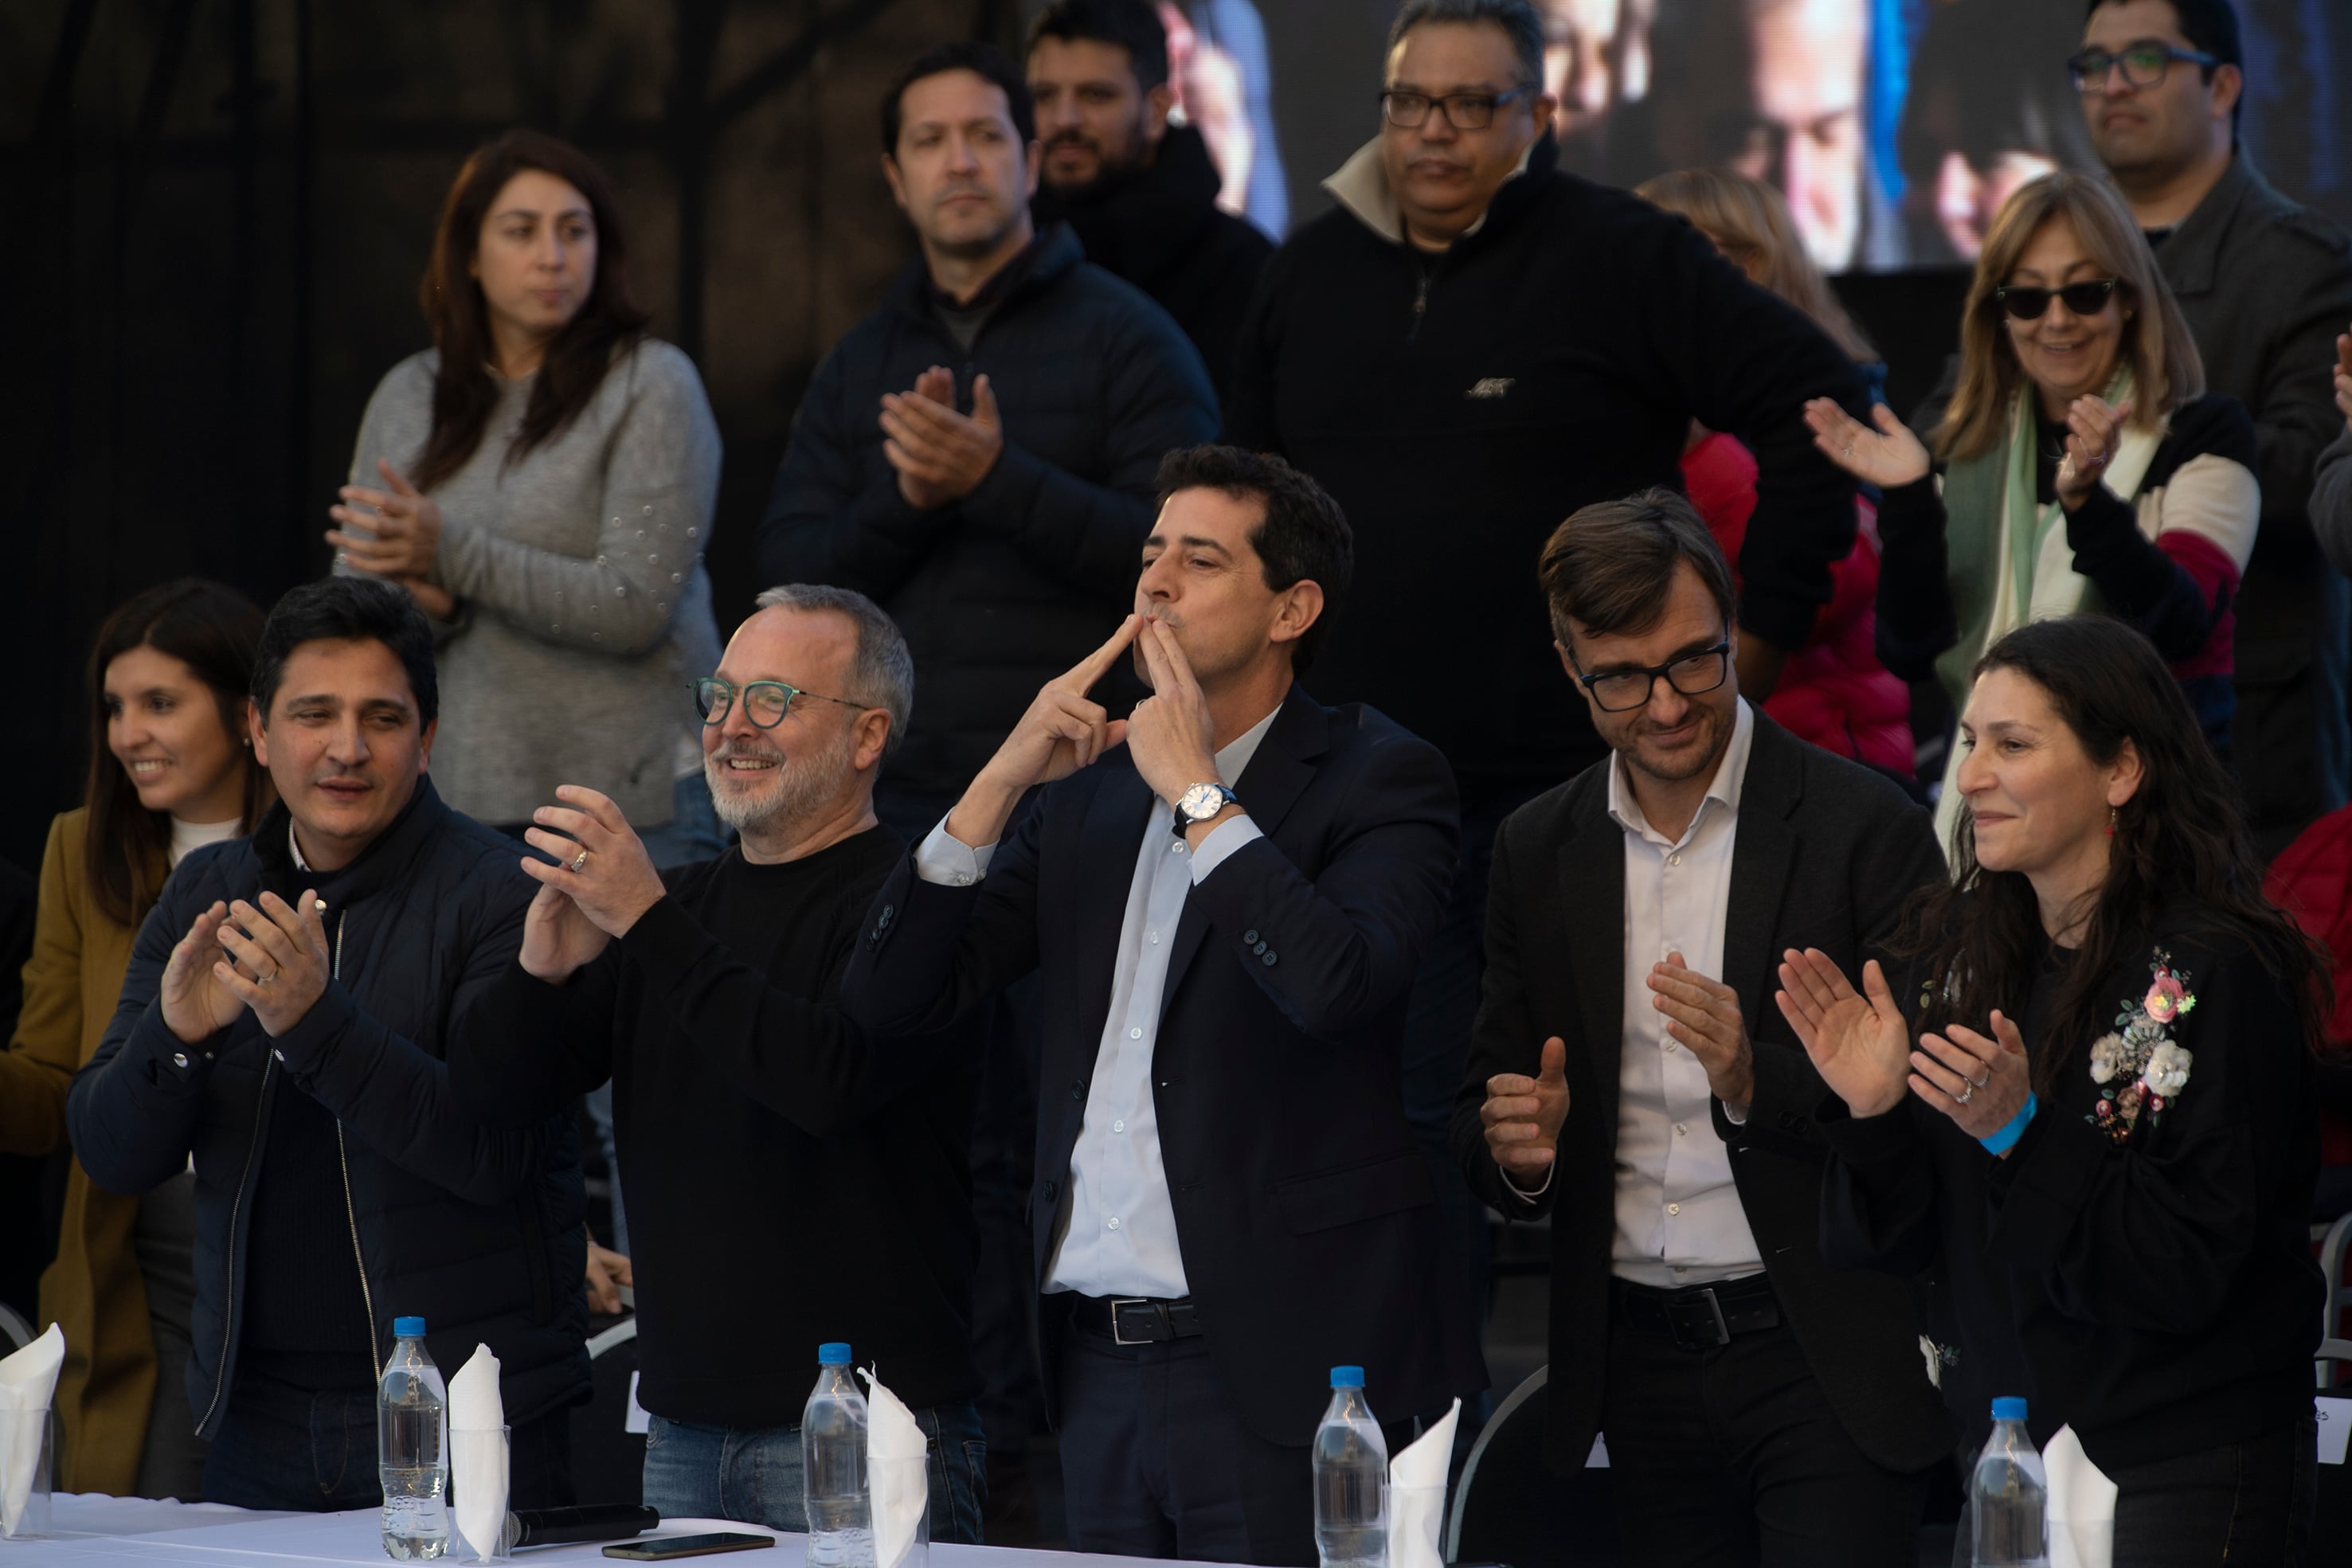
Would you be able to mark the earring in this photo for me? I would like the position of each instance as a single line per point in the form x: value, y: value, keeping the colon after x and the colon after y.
x: 2114, y: 816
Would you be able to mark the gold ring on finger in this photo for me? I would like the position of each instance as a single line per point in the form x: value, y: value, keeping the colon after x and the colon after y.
x: 579, y: 860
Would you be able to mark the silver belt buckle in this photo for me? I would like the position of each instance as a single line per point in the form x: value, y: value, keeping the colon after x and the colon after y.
x: 1714, y: 1310
x: 1118, y: 1337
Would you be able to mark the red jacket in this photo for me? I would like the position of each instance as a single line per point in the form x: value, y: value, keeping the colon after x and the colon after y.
x: 1832, y: 692
x: 2312, y: 880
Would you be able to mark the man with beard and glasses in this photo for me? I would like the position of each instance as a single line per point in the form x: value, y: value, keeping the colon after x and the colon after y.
x: 1630, y: 1077
x: 792, y: 1178
x: 1140, y: 193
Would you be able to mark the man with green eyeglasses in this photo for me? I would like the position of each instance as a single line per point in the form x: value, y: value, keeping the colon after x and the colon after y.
x: 2266, y: 286
x: 790, y: 1178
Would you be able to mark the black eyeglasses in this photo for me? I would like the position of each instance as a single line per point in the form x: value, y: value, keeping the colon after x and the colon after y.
x: 1463, y: 110
x: 2144, y: 64
x: 765, y: 703
x: 1623, y: 691
x: 2029, y: 302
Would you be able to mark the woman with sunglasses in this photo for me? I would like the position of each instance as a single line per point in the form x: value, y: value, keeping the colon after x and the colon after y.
x: 2083, y: 466
x: 171, y: 770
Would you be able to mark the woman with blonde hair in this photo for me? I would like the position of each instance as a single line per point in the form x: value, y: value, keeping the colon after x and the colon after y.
x: 171, y: 769
x: 2084, y: 464
x: 1832, y: 692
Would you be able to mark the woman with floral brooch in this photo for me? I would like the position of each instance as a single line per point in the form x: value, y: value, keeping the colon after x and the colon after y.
x: 2080, y: 1114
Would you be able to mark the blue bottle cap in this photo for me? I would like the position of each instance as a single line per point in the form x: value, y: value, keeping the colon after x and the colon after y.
x: 834, y: 1353
x: 2010, y: 1408
x: 1346, y: 1377
x: 408, y: 1327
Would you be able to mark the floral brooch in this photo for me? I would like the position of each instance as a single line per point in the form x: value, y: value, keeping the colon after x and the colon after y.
x: 2138, y: 1067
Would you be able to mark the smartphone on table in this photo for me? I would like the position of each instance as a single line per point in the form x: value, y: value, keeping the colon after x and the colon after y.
x: 661, y: 1549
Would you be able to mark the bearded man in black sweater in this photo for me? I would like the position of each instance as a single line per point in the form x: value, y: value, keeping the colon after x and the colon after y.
x: 791, y: 1178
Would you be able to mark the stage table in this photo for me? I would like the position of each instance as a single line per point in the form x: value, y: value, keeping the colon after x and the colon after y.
x: 92, y: 1531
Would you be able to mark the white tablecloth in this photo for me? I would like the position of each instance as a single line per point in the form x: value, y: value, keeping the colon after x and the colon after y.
x: 126, y: 1533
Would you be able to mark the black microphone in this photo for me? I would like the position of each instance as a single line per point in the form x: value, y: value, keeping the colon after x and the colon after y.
x: 586, y: 1522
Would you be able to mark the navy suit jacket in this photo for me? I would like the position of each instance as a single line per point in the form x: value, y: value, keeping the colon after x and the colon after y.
x: 1306, y: 1214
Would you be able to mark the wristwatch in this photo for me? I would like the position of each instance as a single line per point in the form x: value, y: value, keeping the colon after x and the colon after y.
x: 1199, y: 803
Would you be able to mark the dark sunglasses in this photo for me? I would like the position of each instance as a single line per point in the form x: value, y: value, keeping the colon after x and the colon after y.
x: 2030, y: 303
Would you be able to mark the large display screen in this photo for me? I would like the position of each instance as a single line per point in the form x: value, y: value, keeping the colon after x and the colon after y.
x: 1896, y: 127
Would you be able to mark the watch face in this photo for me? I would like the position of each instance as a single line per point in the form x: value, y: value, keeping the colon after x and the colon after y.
x: 1203, y: 801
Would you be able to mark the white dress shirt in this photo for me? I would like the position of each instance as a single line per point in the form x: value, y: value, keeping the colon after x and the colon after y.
x: 1118, y: 1230
x: 1679, y: 1218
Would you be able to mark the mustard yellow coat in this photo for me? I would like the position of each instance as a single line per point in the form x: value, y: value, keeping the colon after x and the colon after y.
x: 92, y: 1290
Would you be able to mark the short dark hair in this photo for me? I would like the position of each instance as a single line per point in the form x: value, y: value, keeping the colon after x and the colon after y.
x: 1516, y: 18
x: 1302, y: 537
x: 348, y: 609
x: 1609, y: 566
x: 2211, y: 28
x: 1131, y: 25
x: 985, y: 61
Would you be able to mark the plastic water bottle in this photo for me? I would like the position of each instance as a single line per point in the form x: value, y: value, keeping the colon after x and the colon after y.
x: 833, y: 1466
x: 1352, y: 1464
x: 412, y: 1435
x: 2009, y: 1495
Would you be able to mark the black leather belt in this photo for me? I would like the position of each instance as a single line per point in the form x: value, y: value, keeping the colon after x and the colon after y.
x: 1135, y: 1319
x: 1701, y: 1318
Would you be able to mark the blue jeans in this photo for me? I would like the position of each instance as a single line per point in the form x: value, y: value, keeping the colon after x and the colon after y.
x: 753, y: 1473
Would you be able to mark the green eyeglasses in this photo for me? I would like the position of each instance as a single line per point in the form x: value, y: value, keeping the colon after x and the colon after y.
x: 765, y: 703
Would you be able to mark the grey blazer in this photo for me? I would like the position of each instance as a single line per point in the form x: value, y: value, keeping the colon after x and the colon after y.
x: 585, y: 609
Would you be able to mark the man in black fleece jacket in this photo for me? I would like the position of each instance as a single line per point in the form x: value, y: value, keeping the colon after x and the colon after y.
x: 337, y: 1187
x: 1141, y: 193
x: 1473, y: 345
x: 791, y: 1178
x: 977, y: 454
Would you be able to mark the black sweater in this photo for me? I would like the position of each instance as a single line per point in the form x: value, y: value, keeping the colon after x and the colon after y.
x: 790, y: 1179
x: 1459, y: 411
x: 2158, y: 1294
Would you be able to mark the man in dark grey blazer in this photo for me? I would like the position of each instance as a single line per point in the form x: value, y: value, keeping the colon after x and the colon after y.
x: 1630, y: 1076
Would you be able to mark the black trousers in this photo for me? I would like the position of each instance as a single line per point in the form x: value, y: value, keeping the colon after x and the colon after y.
x: 1157, y: 1463
x: 2242, y: 1502
x: 1733, y: 1455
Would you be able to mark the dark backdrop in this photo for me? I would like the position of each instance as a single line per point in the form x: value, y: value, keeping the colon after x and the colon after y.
x: 215, y: 213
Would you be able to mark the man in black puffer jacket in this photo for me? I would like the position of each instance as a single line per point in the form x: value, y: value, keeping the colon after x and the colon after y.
x: 289, y: 1005
x: 977, y: 455
x: 1140, y: 194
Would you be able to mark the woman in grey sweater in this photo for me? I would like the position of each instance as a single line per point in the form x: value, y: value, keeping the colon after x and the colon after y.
x: 547, y: 478
x: 544, y: 481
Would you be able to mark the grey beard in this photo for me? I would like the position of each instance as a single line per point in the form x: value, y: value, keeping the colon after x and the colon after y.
x: 803, y: 786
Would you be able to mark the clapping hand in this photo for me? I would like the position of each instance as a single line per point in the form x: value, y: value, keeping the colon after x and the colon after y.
x: 2094, y: 430
x: 604, y: 870
x: 940, y: 456
x: 558, y: 937
x: 1169, y: 734
x: 401, y: 533
x: 1888, y: 457
x: 282, y: 967
x: 2344, y: 378
x: 196, y: 1002
x: 1704, y: 1014
x: 1860, y: 1044
x: 1979, y: 1083
x: 1524, y: 1114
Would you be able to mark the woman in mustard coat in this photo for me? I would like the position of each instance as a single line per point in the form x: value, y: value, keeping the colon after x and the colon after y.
x: 171, y: 769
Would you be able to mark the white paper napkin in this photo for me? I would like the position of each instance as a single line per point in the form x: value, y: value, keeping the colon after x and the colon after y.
x: 1417, y: 1496
x: 477, y: 1453
x: 897, y: 1472
x: 26, y: 1380
x: 2082, y: 1505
